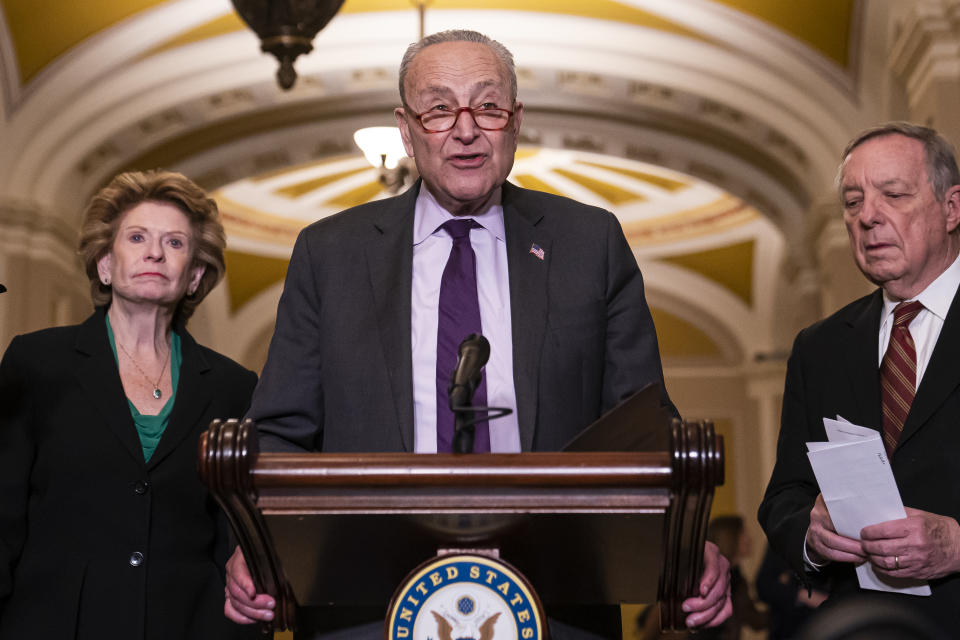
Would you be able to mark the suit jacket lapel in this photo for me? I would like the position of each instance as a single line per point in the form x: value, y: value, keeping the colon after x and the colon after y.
x: 193, y: 395
x: 862, y: 368
x: 99, y: 378
x: 528, y: 303
x: 942, y: 375
x: 390, y: 263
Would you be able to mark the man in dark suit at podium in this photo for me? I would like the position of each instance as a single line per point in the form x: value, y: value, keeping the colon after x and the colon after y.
x: 378, y: 297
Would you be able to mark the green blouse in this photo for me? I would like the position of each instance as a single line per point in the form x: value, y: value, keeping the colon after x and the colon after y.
x: 151, y: 428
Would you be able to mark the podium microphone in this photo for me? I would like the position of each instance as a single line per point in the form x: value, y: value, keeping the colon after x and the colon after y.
x: 472, y: 355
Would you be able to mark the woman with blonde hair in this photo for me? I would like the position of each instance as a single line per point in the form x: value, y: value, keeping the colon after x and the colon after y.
x: 105, y: 527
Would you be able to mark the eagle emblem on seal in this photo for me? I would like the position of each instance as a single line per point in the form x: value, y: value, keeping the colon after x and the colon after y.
x: 453, y: 628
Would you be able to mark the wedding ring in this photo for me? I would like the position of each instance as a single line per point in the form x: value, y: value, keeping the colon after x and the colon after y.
x: 896, y: 562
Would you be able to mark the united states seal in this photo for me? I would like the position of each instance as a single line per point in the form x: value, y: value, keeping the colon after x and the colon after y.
x: 465, y: 597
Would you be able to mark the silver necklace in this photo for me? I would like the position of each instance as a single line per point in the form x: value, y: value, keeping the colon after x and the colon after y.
x: 156, y: 385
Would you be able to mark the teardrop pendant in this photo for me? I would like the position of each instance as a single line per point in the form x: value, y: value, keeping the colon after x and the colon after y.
x: 156, y: 393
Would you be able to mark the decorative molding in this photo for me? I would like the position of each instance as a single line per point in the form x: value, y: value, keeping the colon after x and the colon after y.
x: 710, y: 307
x: 29, y: 231
x: 36, y: 220
x: 740, y: 28
x: 927, y: 46
x: 617, y: 124
x: 735, y: 99
x: 96, y: 56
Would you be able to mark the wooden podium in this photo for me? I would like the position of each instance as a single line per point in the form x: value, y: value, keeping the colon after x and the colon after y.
x: 587, y: 527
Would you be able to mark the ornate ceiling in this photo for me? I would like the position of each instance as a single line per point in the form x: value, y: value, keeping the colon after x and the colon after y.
x: 709, y: 127
x: 40, y: 33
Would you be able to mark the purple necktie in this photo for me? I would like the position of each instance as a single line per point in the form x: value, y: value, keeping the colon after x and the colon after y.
x: 458, y: 317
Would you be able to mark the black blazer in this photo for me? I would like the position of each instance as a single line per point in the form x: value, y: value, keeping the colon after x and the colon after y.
x: 833, y: 370
x: 339, y: 373
x: 78, y: 500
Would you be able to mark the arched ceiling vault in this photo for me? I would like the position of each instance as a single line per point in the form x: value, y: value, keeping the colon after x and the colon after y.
x: 738, y: 83
x: 40, y: 35
x: 746, y: 96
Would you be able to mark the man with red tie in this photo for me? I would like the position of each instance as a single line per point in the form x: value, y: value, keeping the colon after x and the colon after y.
x: 890, y: 361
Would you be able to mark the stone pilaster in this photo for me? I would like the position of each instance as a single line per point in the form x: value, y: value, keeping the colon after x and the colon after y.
x: 925, y: 57
x: 41, y: 271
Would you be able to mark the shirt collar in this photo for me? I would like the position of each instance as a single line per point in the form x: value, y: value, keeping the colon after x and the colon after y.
x: 936, y: 298
x: 429, y: 215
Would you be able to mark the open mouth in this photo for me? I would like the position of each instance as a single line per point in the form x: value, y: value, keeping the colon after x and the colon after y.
x: 467, y: 160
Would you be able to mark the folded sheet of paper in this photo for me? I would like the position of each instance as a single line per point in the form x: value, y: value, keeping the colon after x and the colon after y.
x: 859, y: 490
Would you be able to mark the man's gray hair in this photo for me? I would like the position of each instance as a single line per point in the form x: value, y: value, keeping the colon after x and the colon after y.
x: 941, y: 158
x: 459, y: 35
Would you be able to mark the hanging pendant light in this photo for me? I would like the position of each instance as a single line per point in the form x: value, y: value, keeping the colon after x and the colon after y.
x: 383, y: 148
x: 286, y: 28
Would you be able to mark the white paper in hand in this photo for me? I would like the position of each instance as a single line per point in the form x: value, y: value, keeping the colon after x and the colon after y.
x: 859, y: 490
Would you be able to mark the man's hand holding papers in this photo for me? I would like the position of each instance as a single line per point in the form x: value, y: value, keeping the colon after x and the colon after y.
x: 824, y: 544
x: 858, y: 492
x: 923, y: 545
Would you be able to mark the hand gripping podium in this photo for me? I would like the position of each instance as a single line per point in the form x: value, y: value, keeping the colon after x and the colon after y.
x: 585, y: 526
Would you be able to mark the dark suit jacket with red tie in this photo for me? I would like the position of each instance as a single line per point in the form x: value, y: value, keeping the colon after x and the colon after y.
x: 77, y: 499
x: 338, y: 376
x: 833, y: 370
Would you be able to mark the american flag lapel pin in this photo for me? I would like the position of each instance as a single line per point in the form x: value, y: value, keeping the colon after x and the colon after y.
x: 537, y: 250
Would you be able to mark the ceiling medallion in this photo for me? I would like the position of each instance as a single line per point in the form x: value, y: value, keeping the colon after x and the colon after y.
x: 286, y: 28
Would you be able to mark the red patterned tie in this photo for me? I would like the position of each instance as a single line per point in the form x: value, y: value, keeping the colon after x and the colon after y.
x: 898, y: 374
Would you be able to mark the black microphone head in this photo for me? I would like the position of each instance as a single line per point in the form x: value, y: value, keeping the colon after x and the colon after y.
x: 472, y: 355
x: 2, y: 288
x: 476, y: 341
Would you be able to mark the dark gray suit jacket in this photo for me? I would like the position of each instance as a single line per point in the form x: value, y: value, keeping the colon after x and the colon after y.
x: 339, y: 373
x: 338, y: 376
x: 833, y: 370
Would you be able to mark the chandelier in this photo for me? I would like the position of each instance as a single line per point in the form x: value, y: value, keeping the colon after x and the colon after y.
x: 286, y: 28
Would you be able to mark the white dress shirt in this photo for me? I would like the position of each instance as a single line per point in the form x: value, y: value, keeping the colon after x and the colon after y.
x: 431, y: 249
